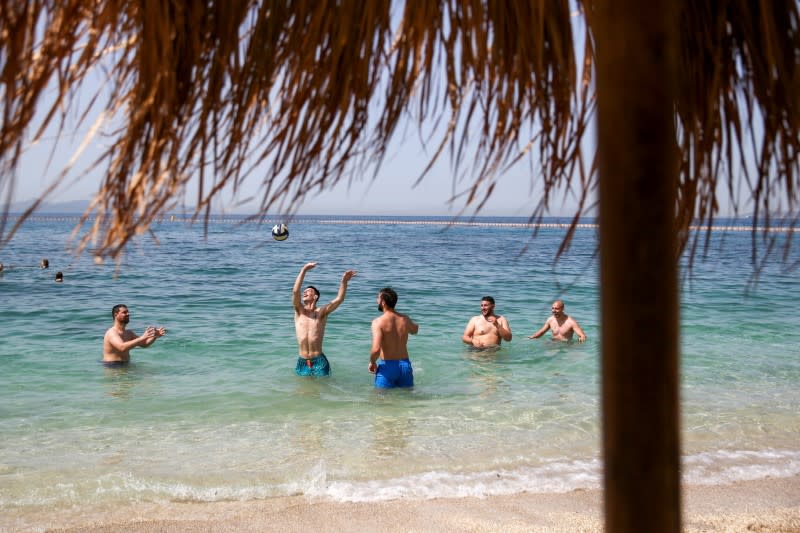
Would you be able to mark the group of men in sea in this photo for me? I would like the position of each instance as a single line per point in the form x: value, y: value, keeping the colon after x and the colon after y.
x: 388, y: 358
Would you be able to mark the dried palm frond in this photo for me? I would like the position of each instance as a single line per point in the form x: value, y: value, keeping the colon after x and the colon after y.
x: 738, y: 111
x: 309, y: 93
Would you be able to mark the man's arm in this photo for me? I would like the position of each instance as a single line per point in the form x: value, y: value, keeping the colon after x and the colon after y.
x: 120, y: 345
x: 336, y: 302
x: 157, y: 332
x: 413, y: 327
x: 504, y: 329
x: 541, y: 331
x: 578, y: 330
x: 298, y: 283
x: 469, y: 332
x: 377, y: 341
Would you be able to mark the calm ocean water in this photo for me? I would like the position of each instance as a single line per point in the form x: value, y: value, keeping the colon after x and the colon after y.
x: 213, y: 411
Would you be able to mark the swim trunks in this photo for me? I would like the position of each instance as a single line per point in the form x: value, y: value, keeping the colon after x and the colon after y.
x: 315, y: 366
x: 394, y: 373
x: 115, y: 364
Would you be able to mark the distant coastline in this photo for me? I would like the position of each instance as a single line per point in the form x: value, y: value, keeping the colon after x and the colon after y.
x: 777, y: 224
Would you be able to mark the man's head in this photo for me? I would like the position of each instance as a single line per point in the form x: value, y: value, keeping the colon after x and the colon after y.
x: 120, y: 312
x: 557, y: 308
x: 387, y: 298
x: 487, y: 306
x: 310, y: 295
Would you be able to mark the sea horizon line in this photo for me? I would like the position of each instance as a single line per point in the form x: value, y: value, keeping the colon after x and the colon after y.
x: 503, y: 221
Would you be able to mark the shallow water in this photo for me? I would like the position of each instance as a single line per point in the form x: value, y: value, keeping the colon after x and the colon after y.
x: 213, y: 411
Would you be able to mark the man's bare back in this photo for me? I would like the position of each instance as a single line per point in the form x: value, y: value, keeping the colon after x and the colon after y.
x: 391, y: 330
x: 390, y: 333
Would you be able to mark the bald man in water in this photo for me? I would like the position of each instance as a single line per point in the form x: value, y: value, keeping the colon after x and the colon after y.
x: 561, y: 324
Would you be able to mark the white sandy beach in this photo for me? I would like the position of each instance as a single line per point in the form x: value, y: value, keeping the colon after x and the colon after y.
x: 768, y: 505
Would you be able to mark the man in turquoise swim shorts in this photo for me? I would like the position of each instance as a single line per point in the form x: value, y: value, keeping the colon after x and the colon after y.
x: 310, y: 321
x: 313, y: 366
x: 389, y: 343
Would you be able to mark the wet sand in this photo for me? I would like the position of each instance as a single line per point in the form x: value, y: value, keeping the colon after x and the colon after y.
x: 768, y: 505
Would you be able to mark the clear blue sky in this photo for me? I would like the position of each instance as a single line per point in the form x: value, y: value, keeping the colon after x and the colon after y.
x: 390, y: 193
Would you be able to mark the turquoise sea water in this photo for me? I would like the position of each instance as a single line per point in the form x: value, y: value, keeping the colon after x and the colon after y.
x: 213, y: 411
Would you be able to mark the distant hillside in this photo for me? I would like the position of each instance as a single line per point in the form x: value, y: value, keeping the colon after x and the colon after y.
x: 79, y: 206
x: 75, y: 206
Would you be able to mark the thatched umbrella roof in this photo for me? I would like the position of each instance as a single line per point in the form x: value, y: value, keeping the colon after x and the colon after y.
x: 313, y: 90
x: 207, y: 90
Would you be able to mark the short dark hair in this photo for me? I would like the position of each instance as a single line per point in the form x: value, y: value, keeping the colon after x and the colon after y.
x: 488, y: 299
x: 313, y: 288
x: 116, y: 308
x: 388, y: 296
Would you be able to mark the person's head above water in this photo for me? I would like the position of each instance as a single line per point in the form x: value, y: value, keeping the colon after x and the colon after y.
x: 387, y: 297
x: 311, y: 294
x: 120, y: 309
x: 487, y: 306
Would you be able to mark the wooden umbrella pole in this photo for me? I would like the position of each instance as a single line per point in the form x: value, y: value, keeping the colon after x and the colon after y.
x: 638, y: 165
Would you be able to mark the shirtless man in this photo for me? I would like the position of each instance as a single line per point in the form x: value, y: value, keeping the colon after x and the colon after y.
x: 561, y: 324
x: 487, y: 329
x: 310, y: 321
x: 119, y: 340
x: 389, y: 343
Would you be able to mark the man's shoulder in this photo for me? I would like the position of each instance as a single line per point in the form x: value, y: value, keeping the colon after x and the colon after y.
x: 125, y: 335
x: 326, y: 309
x: 386, y: 317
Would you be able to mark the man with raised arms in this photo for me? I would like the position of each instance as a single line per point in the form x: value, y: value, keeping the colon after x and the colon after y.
x: 119, y: 340
x: 561, y: 324
x: 310, y: 321
x: 487, y: 329
x: 389, y: 343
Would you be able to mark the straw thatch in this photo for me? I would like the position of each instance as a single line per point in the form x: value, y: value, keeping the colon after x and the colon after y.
x: 314, y: 91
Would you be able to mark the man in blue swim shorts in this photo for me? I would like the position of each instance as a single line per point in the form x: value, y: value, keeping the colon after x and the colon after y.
x: 389, y: 343
x: 310, y: 321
